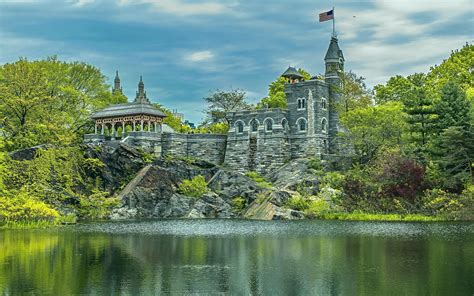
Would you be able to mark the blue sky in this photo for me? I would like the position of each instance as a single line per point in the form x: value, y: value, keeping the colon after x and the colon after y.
x: 184, y: 49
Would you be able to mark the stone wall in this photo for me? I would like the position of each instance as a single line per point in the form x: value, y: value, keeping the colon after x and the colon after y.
x: 209, y: 147
x: 258, y: 150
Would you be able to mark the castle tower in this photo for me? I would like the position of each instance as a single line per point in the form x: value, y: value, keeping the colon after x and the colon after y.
x: 334, y: 61
x: 117, y: 88
x: 141, y: 93
x: 292, y: 75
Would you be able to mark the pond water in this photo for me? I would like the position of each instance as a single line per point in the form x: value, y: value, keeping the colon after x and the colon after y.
x: 239, y: 257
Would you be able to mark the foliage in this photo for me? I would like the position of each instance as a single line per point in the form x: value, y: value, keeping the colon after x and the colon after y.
x: 317, y: 208
x: 298, y: 202
x: 276, y: 93
x: 399, y: 176
x: 375, y: 127
x: 213, y: 128
x: 355, y: 93
x: 256, y: 177
x: 358, y: 216
x: 196, y: 187
x: 49, y: 101
x: 20, y: 207
x: 238, y: 204
x: 222, y: 102
x: 98, y: 205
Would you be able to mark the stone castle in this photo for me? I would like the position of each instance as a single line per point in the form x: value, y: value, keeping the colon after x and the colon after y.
x: 258, y: 140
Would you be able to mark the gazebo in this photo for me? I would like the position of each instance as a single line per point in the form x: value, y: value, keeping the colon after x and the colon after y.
x: 140, y: 117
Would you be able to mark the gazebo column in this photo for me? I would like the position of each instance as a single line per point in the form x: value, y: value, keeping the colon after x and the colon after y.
x: 155, y: 130
x: 123, y: 129
x: 134, y: 125
x: 112, y: 136
x: 149, y: 126
x: 102, y: 129
x: 141, y: 125
x: 95, y: 129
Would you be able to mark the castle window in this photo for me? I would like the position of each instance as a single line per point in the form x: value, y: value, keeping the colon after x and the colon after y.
x: 239, y: 126
x: 268, y: 125
x: 324, y: 125
x: 284, y: 124
x: 301, y: 104
x: 323, y: 103
x: 254, y: 125
x: 301, y: 123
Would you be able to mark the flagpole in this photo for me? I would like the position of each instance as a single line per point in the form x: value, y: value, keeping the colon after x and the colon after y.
x: 333, y: 23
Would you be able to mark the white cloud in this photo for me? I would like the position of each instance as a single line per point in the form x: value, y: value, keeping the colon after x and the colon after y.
x: 83, y: 2
x: 200, y: 56
x: 181, y: 7
x: 378, y: 61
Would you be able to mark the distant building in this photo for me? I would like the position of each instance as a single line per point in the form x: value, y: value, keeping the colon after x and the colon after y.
x: 259, y: 140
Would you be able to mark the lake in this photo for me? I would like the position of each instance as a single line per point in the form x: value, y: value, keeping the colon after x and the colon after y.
x: 240, y: 257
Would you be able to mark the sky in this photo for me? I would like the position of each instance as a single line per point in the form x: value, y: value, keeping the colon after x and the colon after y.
x: 186, y: 49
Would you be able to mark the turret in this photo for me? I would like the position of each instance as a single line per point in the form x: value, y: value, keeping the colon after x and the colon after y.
x: 117, y: 87
x: 292, y: 75
x: 141, y: 93
x: 334, y: 61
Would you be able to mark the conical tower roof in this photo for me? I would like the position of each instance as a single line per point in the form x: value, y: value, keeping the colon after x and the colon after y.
x: 334, y: 52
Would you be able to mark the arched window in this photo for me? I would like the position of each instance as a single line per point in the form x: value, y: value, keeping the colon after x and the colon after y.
x: 301, y: 123
x: 324, y: 125
x: 239, y: 127
x: 323, y: 103
x: 268, y: 125
x: 254, y: 125
x: 301, y: 103
x: 284, y: 124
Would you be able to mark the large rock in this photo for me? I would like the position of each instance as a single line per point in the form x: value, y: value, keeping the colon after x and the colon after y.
x: 121, y: 163
x: 295, y: 175
x: 28, y: 153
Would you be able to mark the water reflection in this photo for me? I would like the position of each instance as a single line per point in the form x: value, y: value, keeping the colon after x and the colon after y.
x: 240, y: 257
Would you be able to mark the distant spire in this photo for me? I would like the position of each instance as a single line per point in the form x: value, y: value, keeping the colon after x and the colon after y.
x: 141, y: 93
x: 117, y: 87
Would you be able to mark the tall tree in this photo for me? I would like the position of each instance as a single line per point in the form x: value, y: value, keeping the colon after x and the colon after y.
x: 453, y: 109
x: 49, y: 101
x: 355, y: 93
x: 221, y: 102
x: 375, y: 127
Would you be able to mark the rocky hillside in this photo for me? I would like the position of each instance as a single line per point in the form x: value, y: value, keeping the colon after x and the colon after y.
x: 152, y: 189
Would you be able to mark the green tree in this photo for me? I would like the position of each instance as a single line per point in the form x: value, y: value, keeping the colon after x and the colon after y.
x: 276, y: 92
x: 453, y: 109
x: 222, y: 102
x: 374, y: 127
x: 397, y: 88
x: 49, y: 101
x: 355, y: 93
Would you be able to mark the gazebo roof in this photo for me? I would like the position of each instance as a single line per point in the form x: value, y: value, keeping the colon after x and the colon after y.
x: 127, y: 109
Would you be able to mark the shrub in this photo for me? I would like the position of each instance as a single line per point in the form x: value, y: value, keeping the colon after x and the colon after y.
x: 317, y: 208
x: 258, y: 179
x: 399, y: 176
x: 238, y: 204
x: 297, y: 202
x: 21, y: 208
x: 98, y: 205
x: 333, y: 180
x: 196, y: 187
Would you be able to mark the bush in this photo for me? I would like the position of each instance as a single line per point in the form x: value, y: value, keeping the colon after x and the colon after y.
x: 96, y: 206
x: 297, y: 202
x: 238, y: 204
x: 258, y: 179
x: 317, y: 208
x: 22, y: 208
x: 333, y: 180
x: 196, y: 187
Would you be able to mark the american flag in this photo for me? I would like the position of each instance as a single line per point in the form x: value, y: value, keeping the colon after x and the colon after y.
x: 326, y: 16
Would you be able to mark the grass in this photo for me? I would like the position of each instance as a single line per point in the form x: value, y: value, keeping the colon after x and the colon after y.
x: 378, y: 217
x: 29, y: 224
